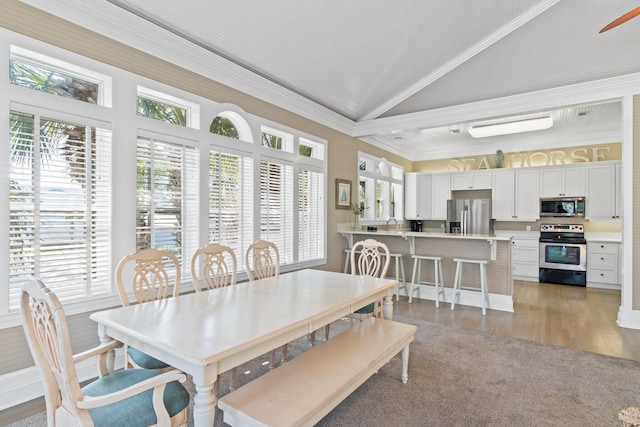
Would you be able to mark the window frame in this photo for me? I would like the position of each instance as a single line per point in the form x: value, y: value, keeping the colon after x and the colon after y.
x: 380, y: 177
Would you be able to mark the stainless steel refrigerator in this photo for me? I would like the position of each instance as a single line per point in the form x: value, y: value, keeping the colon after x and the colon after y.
x: 469, y: 216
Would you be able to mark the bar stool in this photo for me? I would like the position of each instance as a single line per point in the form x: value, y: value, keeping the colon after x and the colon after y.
x: 437, y: 273
x: 399, y: 266
x: 457, y: 282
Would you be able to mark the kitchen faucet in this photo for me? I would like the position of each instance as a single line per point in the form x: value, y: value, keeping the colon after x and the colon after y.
x: 394, y: 220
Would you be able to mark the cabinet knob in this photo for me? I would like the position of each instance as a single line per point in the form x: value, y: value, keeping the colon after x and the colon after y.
x: 602, y: 259
x: 601, y: 274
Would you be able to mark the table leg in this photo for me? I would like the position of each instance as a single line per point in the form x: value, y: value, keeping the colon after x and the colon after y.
x: 405, y: 364
x: 387, y: 306
x: 111, y: 355
x: 204, y: 408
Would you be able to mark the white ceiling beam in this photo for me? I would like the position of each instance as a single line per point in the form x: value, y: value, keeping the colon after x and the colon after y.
x: 460, y: 59
x: 580, y: 93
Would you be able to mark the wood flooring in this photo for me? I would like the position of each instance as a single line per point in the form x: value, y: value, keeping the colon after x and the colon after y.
x: 567, y: 316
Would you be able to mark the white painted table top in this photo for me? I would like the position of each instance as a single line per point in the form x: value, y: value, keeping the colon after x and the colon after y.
x: 209, y: 332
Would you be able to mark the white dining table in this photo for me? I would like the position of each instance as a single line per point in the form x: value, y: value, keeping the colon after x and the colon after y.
x: 207, y: 333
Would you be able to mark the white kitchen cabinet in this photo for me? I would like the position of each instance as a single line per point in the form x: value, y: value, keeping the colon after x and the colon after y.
x: 603, y: 265
x: 515, y: 195
x: 525, y: 261
x: 604, y: 192
x: 441, y: 193
x: 477, y: 180
x: 417, y: 195
x: 563, y: 181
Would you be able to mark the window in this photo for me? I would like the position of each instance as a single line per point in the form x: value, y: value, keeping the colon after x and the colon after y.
x: 59, y: 206
x: 276, y: 206
x: 277, y: 140
x: 166, y: 108
x: 380, y: 188
x: 167, y: 207
x: 225, y: 127
x: 311, y: 217
x: 311, y: 149
x: 45, y: 74
x: 160, y: 111
x: 231, y: 201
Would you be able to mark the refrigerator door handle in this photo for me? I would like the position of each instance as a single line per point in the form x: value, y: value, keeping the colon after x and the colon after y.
x: 463, y: 222
x: 466, y: 218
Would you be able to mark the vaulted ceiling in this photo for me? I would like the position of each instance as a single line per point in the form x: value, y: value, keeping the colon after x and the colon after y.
x: 394, y: 73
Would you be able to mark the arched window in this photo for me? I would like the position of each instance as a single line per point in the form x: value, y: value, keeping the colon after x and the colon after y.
x: 231, y: 125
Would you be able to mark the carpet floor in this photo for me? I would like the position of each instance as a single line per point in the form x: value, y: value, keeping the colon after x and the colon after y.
x: 468, y: 378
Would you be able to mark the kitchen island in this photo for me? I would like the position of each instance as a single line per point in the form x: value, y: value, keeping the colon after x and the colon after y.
x: 495, y: 249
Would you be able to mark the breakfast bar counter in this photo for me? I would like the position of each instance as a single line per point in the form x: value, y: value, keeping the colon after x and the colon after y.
x: 494, y: 249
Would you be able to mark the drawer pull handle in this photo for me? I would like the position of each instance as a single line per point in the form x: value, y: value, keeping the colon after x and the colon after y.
x: 602, y: 259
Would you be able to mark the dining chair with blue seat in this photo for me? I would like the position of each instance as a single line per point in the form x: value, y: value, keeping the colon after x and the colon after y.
x: 151, y: 281
x: 129, y: 397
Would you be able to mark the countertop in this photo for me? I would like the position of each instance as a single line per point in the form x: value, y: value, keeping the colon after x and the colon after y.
x: 427, y: 234
x: 603, y: 237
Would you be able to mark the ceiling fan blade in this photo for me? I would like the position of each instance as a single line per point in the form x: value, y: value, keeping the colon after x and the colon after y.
x: 624, y: 18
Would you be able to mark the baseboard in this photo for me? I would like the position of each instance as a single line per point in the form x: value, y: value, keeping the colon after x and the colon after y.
x: 628, y: 318
x: 496, y: 301
x: 26, y: 384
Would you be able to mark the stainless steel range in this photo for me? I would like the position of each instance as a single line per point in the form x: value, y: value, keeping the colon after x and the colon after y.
x: 563, y: 254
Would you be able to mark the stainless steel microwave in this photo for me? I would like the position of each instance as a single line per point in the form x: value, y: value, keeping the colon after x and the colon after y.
x: 562, y: 206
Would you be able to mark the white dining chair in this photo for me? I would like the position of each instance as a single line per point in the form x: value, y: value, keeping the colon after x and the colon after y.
x: 262, y: 260
x: 151, y: 281
x: 120, y: 398
x: 214, y: 266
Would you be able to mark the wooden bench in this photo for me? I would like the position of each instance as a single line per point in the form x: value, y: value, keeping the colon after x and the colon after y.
x: 302, y: 391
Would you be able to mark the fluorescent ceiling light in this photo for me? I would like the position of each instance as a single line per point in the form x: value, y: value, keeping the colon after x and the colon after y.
x: 526, y: 125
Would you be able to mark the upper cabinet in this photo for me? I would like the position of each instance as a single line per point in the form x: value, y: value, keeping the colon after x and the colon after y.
x: 561, y: 181
x: 426, y: 195
x: 604, y: 196
x: 417, y: 195
x: 441, y: 193
x: 476, y: 180
x: 515, y: 195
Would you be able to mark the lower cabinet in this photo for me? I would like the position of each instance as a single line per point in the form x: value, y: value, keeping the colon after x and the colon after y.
x: 603, y: 265
x: 525, y: 262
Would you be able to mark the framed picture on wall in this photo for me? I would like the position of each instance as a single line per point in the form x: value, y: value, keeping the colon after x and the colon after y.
x: 343, y: 194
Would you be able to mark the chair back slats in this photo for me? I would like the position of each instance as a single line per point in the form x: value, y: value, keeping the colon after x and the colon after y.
x: 218, y: 267
x: 150, y: 280
x: 262, y: 260
x: 47, y: 333
x: 366, y: 258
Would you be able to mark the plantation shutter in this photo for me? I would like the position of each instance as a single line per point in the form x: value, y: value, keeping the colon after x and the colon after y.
x: 276, y: 207
x: 167, y: 198
x: 231, y: 201
x: 59, y: 206
x: 311, y: 215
